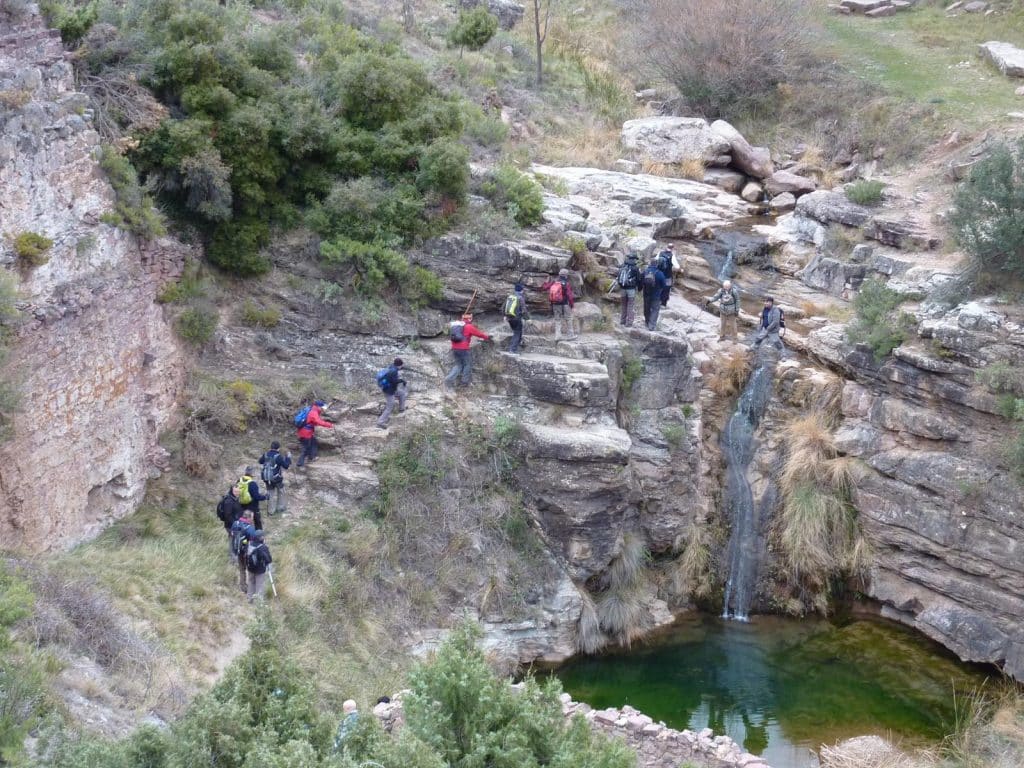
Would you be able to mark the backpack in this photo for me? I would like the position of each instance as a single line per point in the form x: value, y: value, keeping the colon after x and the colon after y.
x: 222, y: 505
x: 457, y: 331
x: 383, y: 379
x: 665, y: 263
x: 254, y: 558
x: 649, y: 279
x: 627, y: 276
x: 782, y: 320
x: 244, y: 497
x: 301, y: 416
x: 271, y: 470
x: 240, y: 533
x: 512, y: 306
x: 556, y: 292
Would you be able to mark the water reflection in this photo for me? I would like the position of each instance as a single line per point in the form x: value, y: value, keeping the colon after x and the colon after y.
x: 782, y: 688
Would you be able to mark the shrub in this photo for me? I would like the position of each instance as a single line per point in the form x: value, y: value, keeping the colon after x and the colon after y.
x: 196, y: 325
x: 421, y: 287
x: 987, y: 218
x: 444, y: 168
x: 236, y: 246
x: 675, y: 435
x: 725, y: 57
x: 252, y: 313
x: 474, y: 29
x: 865, y: 192
x: 520, y: 195
x: 484, y: 129
x: 74, y: 22
x: 133, y: 208
x: 877, y: 324
x: 632, y: 370
x: 31, y: 249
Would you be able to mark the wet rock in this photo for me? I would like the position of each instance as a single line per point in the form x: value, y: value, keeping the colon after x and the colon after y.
x: 863, y: 6
x: 730, y: 181
x: 752, y: 192
x: 782, y: 203
x: 672, y: 139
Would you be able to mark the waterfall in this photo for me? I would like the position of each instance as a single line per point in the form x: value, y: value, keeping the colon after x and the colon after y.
x: 746, y: 540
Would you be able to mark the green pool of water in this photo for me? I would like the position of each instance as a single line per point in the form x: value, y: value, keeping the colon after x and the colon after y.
x: 783, y: 688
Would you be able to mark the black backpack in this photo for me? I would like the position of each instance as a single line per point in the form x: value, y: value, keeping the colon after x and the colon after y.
x: 627, y: 276
x: 223, y: 506
x: 271, y: 470
x: 649, y: 279
x: 782, y: 320
x: 256, y: 557
x: 665, y: 263
x: 457, y: 332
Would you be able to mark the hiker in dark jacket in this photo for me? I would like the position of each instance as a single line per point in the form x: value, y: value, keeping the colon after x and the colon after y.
x: 273, y: 466
x: 666, y: 263
x: 654, y: 285
x: 516, y: 313
x: 307, y: 433
x: 257, y: 561
x: 255, y: 497
x: 229, y: 510
x: 394, y: 388
x: 462, y: 370
x: 241, y: 533
x: 629, y: 282
x: 771, y: 322
x: 562, y: 303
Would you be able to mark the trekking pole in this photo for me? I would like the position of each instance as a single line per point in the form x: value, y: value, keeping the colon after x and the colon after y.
x: 471, y: 300
x: 270, y: 573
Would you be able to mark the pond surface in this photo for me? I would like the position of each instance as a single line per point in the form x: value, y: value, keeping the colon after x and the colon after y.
x: 782, y: 688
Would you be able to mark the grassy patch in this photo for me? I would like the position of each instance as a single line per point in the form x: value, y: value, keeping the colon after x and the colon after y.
x: 878, y: 323
x: 32, y: 249
x: 731, y: 376
x: 865, y: 192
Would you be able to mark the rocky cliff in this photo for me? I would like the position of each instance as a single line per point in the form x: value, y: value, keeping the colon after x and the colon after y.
x: 94, y: 358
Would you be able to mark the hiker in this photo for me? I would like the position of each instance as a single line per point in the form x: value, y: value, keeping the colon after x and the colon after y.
x: 241, y: 533
x: 257, y: 561
x: 462, y: 332
x: 654, y: 286
x: 562, y: 302
x: 394, y: 388
x: 516, y: 313
x: 272, y: 472
x: 666, y: 264
x: 249, y: 495
x: 628, y: 281
x: 728, y: 299
x: 229, y: 509
x: 348, y: 723
x: 772, y: 320
x: 306, y: 432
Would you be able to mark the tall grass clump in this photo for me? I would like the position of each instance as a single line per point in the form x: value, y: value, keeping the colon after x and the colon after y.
x: 618, y: 602
x: 729, y: 378
x: 878, y: 322
x: 865, y: 192
x: 818, y: 532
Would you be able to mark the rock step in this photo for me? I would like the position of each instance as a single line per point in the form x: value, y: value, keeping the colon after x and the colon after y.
x: 557, y: 364
x: 578, y: 382
x: 597, y: 443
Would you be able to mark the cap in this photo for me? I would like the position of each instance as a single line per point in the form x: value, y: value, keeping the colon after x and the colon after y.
x: 319, y: 403
x: 398, y: 362
x: 275, y: 445
x: 518, y: 287
x: 257, y: 534
x: 563, y: 272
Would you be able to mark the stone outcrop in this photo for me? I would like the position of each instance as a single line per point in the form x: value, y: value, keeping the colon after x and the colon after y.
x: 673, y: 139
x: 100, y: 371
x: 1007, y: 58
x: 753, y: 161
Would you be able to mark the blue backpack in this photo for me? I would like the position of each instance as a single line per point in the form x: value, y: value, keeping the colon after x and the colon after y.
x: 382, y: 378
x: 301, y: 416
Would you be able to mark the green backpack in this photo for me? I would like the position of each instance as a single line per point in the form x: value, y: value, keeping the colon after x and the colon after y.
x: 244, y: 497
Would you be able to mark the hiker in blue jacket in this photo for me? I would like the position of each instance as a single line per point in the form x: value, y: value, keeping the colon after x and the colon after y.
x: 654, y: 287
x: 274, y: 463
x: 394, y: 388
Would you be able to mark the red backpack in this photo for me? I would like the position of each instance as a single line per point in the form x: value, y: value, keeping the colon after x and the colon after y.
x: 556, y: 293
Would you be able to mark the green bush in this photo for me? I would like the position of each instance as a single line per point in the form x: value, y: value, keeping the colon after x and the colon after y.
x: 865, y: 192
x: 253, y: 314
x: 485, y: 130
x: 632, y: 370
x: 675, y: 435
x: 878, y: 324
x: 988, y: 211
x: 474, y: 29
x: 519, y: 194
x: 236, y: 246
x: 444, y: 168
x: 133, y: 208
x: 74, y: 22
x: 196, y: 325
x: 31, y: 249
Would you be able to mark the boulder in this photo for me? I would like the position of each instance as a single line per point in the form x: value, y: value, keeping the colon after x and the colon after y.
x: 783, y: 203
x: 863, y: 6
x: 730, y: 181
x: 753, y: 161
x: 832, y: 208
x: 784, y: 181
x: 1009, y: 59
x: 977, y: 6
x: 752, y: 192
x: 673, y: 139
x: 627, y: 166
x: 885, y: 10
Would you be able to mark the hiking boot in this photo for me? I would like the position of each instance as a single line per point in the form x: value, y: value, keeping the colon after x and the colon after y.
x: 382, y: 426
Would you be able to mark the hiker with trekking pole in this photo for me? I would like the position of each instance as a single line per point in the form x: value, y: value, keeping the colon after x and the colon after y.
x: 461, y: 333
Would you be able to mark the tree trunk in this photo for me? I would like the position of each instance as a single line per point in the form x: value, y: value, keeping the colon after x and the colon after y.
x: 408, y: 16
x: 539, y: 40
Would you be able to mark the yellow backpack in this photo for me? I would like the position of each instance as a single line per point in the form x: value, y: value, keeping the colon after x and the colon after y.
x: 244, y: 497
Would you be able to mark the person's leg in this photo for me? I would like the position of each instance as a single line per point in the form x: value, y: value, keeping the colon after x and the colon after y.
x: 453, y: 374
x: 655, y: 311
x: 731, y: 321
x: 624, y: 302
x: 556, y: 313
x: 314, y: 448
x: 647, y: 308
x: 666, y: 292
x: 723, y: 326
x: 630, y: 308
x: 231, y: 554
x: 305, y: 442
x: 517, y: 334
x: 467, y: 367
x: 401, y: 393
x: 242, y: 574
x: 279, y: 504
x: 389, y: 406
x: 570, y: 322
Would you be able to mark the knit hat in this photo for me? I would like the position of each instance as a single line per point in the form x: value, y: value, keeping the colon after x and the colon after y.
x: 398, y: 362
x: 319, y: 403
x: 563, y: 272
x: 275, y: 445
x: 518, y: 287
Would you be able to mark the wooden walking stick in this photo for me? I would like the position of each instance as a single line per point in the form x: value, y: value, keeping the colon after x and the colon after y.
x: 471, y: 300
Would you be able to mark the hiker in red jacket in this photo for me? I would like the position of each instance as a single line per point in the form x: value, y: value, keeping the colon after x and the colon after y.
x: 462, y: 332
x: 307, y: 433
x: 562, y: 302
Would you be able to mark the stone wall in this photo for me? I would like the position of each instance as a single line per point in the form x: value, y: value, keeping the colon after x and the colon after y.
x: 94, y: 359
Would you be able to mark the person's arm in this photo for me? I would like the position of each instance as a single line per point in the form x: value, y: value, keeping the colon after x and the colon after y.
x: 254, y: 491
x: 572, y: 299
x: 717, y: 296
x: 263, y: 459
x: 472, y: 330
x: 284, y: 460
x: 315, y: 421
x: 773, y: 322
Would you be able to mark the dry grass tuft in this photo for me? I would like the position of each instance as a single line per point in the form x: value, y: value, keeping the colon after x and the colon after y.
x: 728, y: 380
x: 692, y: 572
x: 589, y: 637
x: 583, y: 144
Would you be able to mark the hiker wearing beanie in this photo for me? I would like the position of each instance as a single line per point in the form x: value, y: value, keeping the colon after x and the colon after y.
x: 272, y: 472
x: 516, y: 313
x: 461, y: 333
x: 394, y: 388
x: 257, y: 560
x: 562, y: 302
x: 307, y: 431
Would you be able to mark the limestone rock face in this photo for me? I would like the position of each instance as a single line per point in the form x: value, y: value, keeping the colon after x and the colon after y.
x: 673, y: 139
x: 939, y: 505
x: 100, y: 369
